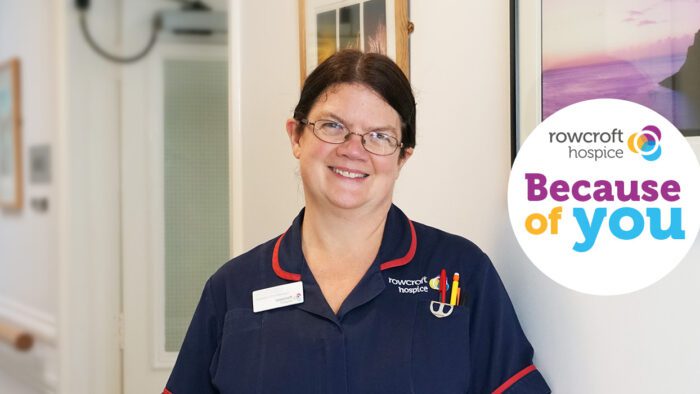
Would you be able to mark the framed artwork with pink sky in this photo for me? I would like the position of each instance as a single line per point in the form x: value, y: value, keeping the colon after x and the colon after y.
x: 645, y: 51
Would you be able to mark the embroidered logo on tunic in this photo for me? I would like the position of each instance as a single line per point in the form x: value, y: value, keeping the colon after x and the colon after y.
x: 410, y: 286
x: 435, y: 284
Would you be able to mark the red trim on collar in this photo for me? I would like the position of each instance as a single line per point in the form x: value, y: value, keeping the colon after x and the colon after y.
x: 276, y: 263
x: 409, y: 255
x: 386, y: 265
x: 505, y: 386
x: 166, y: 391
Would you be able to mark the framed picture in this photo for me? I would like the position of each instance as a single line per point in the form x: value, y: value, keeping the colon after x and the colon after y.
x: 566, y: 51
x: 327, y: 26
x: 10, y: 137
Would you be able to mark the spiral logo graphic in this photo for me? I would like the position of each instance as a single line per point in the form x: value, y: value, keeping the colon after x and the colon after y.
x: 646, y: 143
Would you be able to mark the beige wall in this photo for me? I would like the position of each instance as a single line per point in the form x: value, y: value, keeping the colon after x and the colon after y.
x: 28, y: 238
x: 266, y: 70
x: 26, y: 32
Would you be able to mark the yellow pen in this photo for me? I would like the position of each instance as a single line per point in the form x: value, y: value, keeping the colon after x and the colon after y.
x: 455, y: 287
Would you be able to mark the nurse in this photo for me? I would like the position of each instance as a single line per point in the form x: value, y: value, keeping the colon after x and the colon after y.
x: 368, y: 305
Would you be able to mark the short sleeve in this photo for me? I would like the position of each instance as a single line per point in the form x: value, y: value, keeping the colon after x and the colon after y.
x: 197, y: 357
x: 501, y: 354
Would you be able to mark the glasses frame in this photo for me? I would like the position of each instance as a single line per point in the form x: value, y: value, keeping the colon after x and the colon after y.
x: 306, y: 122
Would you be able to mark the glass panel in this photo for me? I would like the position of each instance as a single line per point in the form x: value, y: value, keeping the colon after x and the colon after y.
x: 325, y: 35
x: 375, y: 26
x: 196, y: 185
x: 349, y: 27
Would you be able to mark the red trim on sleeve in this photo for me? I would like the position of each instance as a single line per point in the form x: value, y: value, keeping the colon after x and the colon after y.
x: 505, y: 386
x: 409, y: 255
x: 166, y: 391
x: 276, y: 263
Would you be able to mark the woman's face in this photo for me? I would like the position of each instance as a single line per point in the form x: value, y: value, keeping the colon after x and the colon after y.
x: 346, y: 175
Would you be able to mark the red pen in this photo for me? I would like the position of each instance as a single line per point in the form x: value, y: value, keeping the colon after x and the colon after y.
x: 443, y: 285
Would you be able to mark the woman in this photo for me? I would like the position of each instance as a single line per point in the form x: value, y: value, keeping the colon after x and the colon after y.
x: 372, y: 313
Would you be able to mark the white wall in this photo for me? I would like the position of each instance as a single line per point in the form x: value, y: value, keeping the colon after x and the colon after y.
x: 265, y: 45
x: 28, y: 239
x: 646, y: 342
x: 60, y: 269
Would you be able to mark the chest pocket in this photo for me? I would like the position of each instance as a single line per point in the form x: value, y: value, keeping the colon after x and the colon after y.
x: 440, y: 357
x: 258, y: 356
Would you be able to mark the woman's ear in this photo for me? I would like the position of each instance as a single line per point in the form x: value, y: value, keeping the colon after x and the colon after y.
x: 294, y: 136
x: 407, y: 153
x: 403, y: 159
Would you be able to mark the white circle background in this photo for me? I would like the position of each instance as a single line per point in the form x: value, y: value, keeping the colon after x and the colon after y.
x: 612, y: 266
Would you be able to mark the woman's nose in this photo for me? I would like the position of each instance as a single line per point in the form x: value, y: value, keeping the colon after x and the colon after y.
x: 352, y: 147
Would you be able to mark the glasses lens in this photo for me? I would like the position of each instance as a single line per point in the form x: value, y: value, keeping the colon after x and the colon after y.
x: 330, y: 131
x: 380, y: 143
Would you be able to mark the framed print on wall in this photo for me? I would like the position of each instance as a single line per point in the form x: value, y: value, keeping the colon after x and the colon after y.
x: 326, y: 26
x: 10, y: 137
x: 644, y: 51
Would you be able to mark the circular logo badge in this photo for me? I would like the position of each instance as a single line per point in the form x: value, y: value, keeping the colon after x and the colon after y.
x: 604, y: 197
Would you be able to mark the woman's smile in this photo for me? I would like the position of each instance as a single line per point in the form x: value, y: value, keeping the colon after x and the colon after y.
x: 348, y: 173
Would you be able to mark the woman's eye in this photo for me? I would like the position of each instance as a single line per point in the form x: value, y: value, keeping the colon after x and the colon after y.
x: 332, y: 126
x: 380, y: 136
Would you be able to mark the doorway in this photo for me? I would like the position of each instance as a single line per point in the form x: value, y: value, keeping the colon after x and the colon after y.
x: 176, y: 227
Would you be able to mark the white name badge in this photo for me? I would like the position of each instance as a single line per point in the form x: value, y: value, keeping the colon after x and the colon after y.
x: 278, y: 296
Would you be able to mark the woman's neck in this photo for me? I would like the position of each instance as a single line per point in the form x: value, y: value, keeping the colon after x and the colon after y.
x: 344, y: 233
x: 339, y: 249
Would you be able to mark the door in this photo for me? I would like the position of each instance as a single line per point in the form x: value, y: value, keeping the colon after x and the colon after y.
x: 176, y: 206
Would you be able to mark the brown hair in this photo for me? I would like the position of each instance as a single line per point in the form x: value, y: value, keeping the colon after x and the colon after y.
x: 373, y: 70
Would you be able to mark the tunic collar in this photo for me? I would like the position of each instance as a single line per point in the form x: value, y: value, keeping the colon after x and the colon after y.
x: 398, y: 246
x: 397, y: 249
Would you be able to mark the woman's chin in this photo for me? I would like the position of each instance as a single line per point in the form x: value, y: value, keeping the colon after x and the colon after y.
x: 347, y: 203
x: 350, y: 202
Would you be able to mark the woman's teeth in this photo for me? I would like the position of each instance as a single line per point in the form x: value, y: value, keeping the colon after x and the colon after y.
x: 348, y: 174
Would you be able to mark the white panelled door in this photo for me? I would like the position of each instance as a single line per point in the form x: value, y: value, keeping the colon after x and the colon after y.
x: 176, y: 205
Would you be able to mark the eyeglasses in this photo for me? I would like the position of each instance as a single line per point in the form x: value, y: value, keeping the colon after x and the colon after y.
x: 375, y: 142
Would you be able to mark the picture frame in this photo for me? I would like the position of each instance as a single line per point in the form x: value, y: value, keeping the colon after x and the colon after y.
x: 326, y: 26
x: 547, y: 75
x: 10, y: 136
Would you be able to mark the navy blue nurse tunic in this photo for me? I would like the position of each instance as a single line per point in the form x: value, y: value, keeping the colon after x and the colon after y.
x: 384, y: 338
